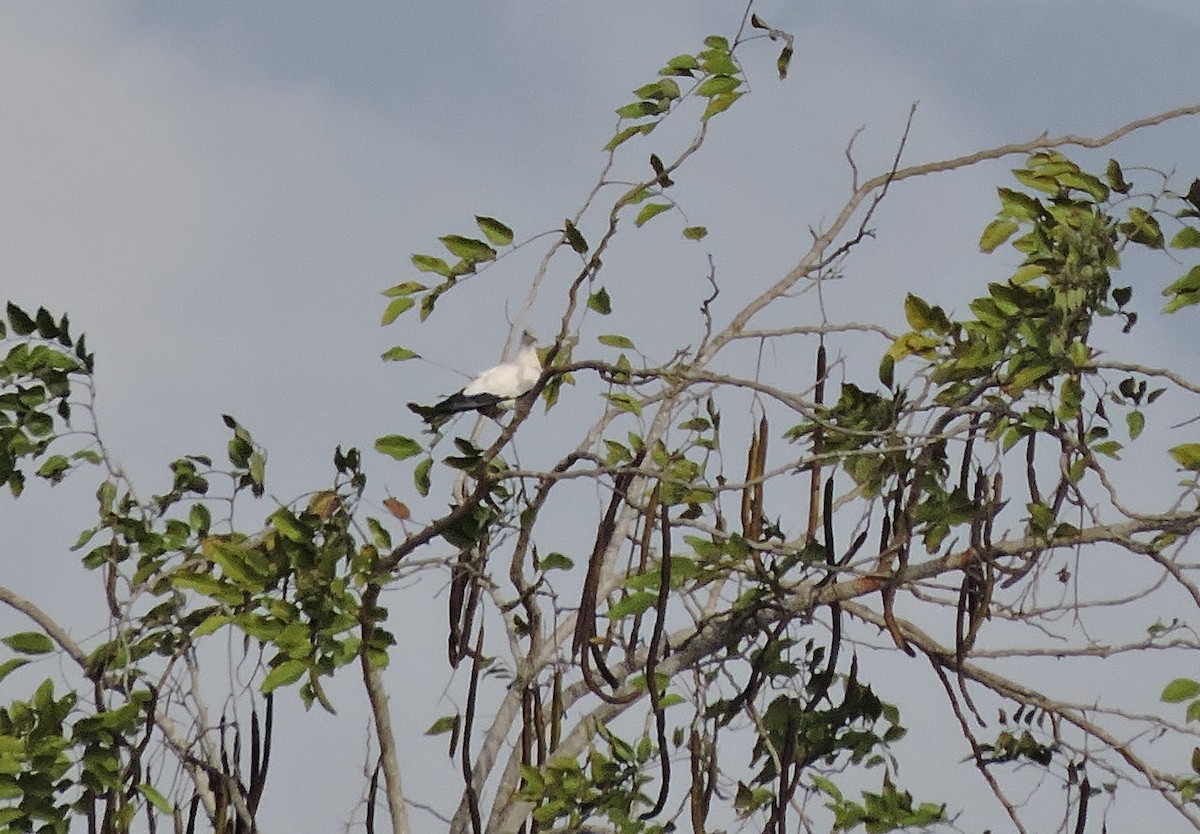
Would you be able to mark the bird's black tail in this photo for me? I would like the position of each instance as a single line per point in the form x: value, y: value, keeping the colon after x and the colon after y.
x: 437, y: 414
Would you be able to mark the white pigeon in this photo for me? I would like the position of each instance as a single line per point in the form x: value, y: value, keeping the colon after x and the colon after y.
x: 486, y: 392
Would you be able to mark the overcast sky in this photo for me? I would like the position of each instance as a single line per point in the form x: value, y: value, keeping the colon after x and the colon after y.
x: 216, y: 192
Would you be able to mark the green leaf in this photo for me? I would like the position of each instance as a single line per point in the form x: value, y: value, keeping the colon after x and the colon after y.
x: 625, y: 402
x: 29, y: 642
x: 19, y: 320
x: 467, y: 448
x: 1143, y: 228
x: 668, y: 89
x: 683, y: 62
x: 428, y: 302
x: 783, y: 61
x: 718, y: 84
x: 209, y: 586
x: 395, y: 307
x: 638, y: 109
x: 106, y: 494
x: 574, y: 238
x: 46, y: 326
x: 624, y: 134
x: 85, y: 537
x: 1180, y: 689
x: 695, y: 232
x: 1186, y: 299
x: 1081, y: 181
x: 827, y: 787
x: 495, y: 231
x: 421, y: 476
x: 287, y: 672
x: 210, y: 625
x: 445, y: 724
x: 380, y: 535
x: 407, y: 287
x: 717, y: 62
x: 1189, y: 283
x: 468, y: 248
x: 613, y: 340
x: 399, y: 354
x: 650, y: 210
x: 887, y: 370
x: 600, y: 302
x: 1186, y: 455
x: 1116, y: 178
x: 918, y: 312
x: 234, y: 565
x: 257, y: 467
x: 155, y: 798
x: 913, y: 344
x: 200, y: 519
x: 1186, y: 291
x: 1070, y: 396
x: 1031, y: 375
x: 11, y: 665
x: 555, y: 561
x: 617, y: 453
x: 998, y: 231
x: 719, y: 104
x: 1136, y: 421
x: 651, y: 90
x: 636, y: 603
x: 398, y: 446
x: 637, y: 195
x: 1037, y: 181
x: 1078, y: 353
x: 1018, y: 204
x: 289, y: 526
x: 1186, y: 238
x: 54, y: 468
x: 429, y: 263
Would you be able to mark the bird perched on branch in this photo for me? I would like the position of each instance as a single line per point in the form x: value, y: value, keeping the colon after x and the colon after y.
x: 491, y: 389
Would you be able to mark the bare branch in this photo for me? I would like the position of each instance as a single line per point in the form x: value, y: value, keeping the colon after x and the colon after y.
x: 47, y: 624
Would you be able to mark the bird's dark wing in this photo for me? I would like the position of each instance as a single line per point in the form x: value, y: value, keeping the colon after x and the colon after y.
x: 466, y: 402
x: 437, y: 414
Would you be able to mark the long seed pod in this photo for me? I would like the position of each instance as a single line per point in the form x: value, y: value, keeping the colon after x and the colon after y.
x: 372, y: 793
x: 698, y: 796
x: 652, y: 652
x: 749, y: 531
x: 643, y: 561
x: 818, y: 448
x: 585, y: 621
x: 260, y: 752
x: 556, y: 711
x: 822, y: 682
x: 468, y: 724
